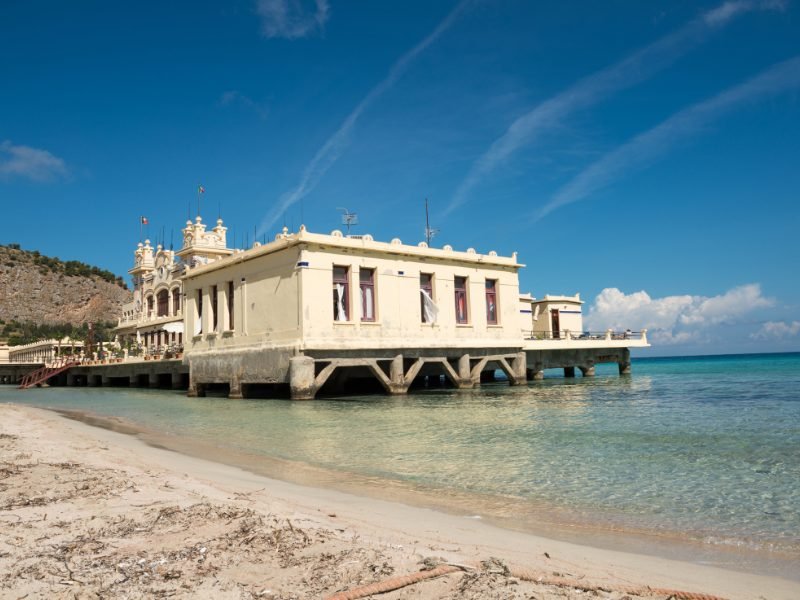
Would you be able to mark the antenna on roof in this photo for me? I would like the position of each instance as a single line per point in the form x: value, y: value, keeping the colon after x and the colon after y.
x: 348, y: 219
x: 429, y: 232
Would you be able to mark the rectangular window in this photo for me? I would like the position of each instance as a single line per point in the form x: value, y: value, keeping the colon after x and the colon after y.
x: 460, y: 285
x: 366, y: 282
x: 341, y: 293
x: 230, y: 306
x: 198, y: 325
x: 426, y: 298
x: 491, y: 301
x: 176, y: 301
x: 214, y: 311
x: 162, y: 303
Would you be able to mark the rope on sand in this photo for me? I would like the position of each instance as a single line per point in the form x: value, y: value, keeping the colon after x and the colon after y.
x: 395, y: 583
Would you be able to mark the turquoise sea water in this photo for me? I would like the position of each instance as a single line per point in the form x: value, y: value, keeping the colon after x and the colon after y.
x: 706, y: 449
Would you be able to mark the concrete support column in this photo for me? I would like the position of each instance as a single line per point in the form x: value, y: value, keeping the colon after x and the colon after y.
x: 587, y: 370
x: 464, y: 373
x: 569, y: 371
x: 301, y: 378
x: 177, y: 381
x: 133, y: 381
x: 93, y: 380
x: 152, y: 380
x: 71, y: 379
x: 196, y: 390
x: 625, y: 363
x: 397, y: 378
x: 519, y: 365
x: 235, y: 389
x: 106, y: 381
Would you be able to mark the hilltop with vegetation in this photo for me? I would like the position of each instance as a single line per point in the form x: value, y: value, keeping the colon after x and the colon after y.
x: 43, y: 296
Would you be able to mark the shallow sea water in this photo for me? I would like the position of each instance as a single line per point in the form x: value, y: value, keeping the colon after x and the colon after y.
x: 703, y: 449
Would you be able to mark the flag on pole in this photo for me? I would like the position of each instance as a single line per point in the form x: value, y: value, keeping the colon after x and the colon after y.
x: 201, y: 189
x: 144, y: 221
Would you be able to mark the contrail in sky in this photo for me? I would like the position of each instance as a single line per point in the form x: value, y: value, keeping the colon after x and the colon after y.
x: 648, y: 146
x: 330, y: 152
x: 598, y: 86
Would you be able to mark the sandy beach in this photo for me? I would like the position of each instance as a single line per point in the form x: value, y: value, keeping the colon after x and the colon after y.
x: 90, y: 513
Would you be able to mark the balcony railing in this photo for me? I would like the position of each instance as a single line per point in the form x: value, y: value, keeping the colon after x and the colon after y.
x: 587, y: 335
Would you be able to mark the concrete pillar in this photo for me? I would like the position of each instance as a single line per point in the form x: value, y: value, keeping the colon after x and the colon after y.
x: 569, y: 371
x: 464, y: 373
x: 106, y: 381
x: 71, y: 379
x: 133, y: 381
x: 301, y: 378
x: 196, y: 390
x: 397, y: 378
x: 235, y: 389
x: 587, y: 371
x: 93, y: 380
x: 177, y: 381
x: 152, y: 380
x: 519, y: 365
x: 625, y: 363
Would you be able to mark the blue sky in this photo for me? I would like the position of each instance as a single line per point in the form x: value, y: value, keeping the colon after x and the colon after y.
x: 645, y: 154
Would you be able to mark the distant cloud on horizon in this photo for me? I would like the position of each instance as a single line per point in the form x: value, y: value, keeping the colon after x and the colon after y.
x: 772, y: 330
x: 290, y: 19
x: 648, y: 146
x: 596, y: 87
x: 674, y: 319
x: 30, y: 163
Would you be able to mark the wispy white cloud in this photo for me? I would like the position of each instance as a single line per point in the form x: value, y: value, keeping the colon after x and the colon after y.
x: 589, y: 91
x: 674, y: 319
x: 30, y: 163
x: 772, y: 330
x: 292, y: 19
x: 648, y: 146
x: 235, y: 97
x: 333, y: 148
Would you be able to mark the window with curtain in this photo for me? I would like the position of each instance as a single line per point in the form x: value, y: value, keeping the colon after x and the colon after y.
x: 198, y: 324
x: 341, y: 293
x: 462, y: 314
x: 491, y: 301
x: 366, y: 282
x: 428, y: 309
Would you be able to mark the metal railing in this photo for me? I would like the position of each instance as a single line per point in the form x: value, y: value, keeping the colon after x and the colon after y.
x: 586, y: 335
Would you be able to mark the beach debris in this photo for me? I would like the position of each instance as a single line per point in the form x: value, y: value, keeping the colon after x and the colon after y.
x: 546, y: 555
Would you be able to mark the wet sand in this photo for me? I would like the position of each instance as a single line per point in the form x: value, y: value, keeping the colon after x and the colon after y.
x: 90, y: 512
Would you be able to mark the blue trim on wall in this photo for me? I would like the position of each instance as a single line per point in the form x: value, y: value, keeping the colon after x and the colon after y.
x: 571, y: 312
x: 302, y: 263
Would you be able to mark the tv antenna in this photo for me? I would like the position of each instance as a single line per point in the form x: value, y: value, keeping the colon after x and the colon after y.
x: 348, y: 218
x: 429, y: 232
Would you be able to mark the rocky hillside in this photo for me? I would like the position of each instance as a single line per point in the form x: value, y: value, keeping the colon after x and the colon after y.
x: 41, y: 289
